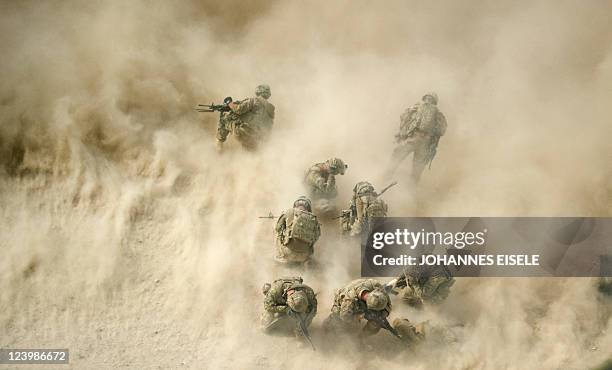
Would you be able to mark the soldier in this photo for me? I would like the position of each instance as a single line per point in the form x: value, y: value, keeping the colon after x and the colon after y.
x: 421, y: 127
x: 424, y: 284
x: 250, y: 120
x: 361, y: 299
x: 414, y: 334
x: 365, y: 205
x: 296, y: 232
x: 320, y: 180
x: 411, y: 334
x: 288, y: 304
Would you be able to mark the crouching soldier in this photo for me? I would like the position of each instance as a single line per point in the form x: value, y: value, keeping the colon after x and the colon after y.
x: 365, y: 205
x: 320, y: 181
x: 288, y: 305
x: 424, y: 285
x: 362, y: 300
x: 296, y: 232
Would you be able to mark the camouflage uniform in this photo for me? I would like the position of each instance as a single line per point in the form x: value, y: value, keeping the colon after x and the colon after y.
x: 414, y: 335
x: 277, y: 304
x: 411, y: 334
x: 250, y: 120
x: 320, y: 180
x: 421, y: 126
x: 349, y: 307
x: 365, y: 205
x: 296, y: 232
x: 425, y: 284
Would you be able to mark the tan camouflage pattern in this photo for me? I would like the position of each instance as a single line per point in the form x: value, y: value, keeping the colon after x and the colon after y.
x: 250, y: 122
x: 364, y: 205
x: 276, y: 307
x: 348, y: 309
x: 419, y: 125
x: 432, y: 288
x: 289, y: 249
x: 320, y: 182
x: 411, y: 334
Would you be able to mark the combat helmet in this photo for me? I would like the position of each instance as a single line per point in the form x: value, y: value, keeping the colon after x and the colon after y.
x: 433, y: 95
x: 337, y: 165
x: 298, y: 301
x: 377, y: 300
x: 363, y: 188
x: 303, y: 202
x: 263, y: 91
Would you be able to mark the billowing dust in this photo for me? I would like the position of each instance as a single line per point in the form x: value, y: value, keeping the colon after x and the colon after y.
x: 127, y: 238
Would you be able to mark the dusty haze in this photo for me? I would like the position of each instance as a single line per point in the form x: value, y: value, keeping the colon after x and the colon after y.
x: 128, y: 239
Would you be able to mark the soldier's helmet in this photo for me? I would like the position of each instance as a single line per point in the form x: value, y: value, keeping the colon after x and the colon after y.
x: 377, y: 300
x: 363, y: 188
x: 337, y: 166
x: 263, y: 91
x: 303, y: 202
x: 433, y: 95
x: 298, y: 301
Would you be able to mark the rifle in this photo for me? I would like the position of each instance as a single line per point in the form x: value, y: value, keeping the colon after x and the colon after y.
x: 432, y: 150
x: 296, y: 316
x: 380, y: 320
x: 216, y: 107
x: 344, y: 213
x: 387, y: 188
x: 270, y: 215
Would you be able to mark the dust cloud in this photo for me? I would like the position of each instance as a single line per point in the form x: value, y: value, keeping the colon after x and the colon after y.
x: 127, y: 238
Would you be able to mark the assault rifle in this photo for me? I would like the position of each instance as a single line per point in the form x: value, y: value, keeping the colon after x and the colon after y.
x: 387, y: 188
x: 300, y: 320
x: 432, y: 150
x: 378, y: 318
x: 216, y: 107
x: 270, y: 215
x: 348, y: 212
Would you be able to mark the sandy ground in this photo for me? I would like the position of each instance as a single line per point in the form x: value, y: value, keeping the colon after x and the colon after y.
x: 127, y: 238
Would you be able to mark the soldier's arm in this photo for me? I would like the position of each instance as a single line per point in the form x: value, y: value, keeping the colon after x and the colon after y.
x: 441, y: 124
x: 271, y: 110
x: 271, y: 302
x: 281, y: 223
x: 318, y: 181
x: 405, y: 122
x: 313, y: 311
x: 317, y: 232
x: 347, y: 312
x: 242, y: 107
x: 330, y: 184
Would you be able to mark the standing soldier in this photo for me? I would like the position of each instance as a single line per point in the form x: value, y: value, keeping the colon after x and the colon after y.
x: 421, y: 127
x: 296, y: 232
x: 361, y: 300
x: 288, y: 304
x: 250, y: 120
x: 320, y: 181
x: 365, y: 205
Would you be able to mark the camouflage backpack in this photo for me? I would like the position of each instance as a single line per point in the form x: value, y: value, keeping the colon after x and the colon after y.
x: 363, y: 188
x: 376, y: 208
x: 302, y: 227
